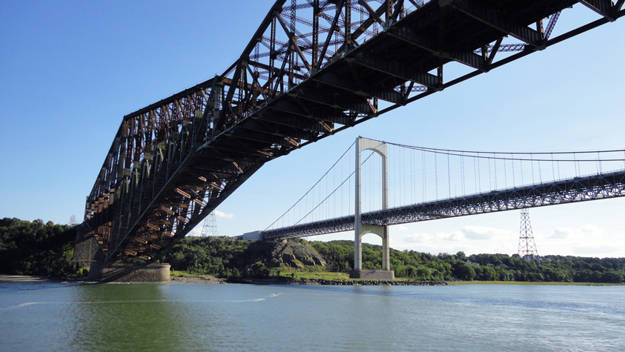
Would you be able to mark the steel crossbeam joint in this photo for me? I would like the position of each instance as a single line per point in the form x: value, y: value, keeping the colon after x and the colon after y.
x: 333, y: 80
x: 399, y: 71
x: 605, y: 8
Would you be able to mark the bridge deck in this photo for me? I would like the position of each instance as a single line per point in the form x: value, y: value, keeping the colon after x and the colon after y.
x: 609, y: 185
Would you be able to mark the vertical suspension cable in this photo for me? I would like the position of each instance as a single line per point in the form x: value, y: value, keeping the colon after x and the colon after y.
x: 505, y: 173
x: 600, y: 166
x: 479, y: 173
x: 532, y: 164
x: 448, y: 175
x: 424, y: 179
x: 435, y: 176
x: 513, y: 173
x: 490, y: 175
x: 413, y: 176
x: 462, y: 159
x: 495, y: 168
x: 553, y: 171
x: 522, y: 182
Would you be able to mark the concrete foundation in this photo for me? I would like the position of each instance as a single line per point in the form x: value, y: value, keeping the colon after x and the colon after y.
x: 373, y: 274
x: 150, y: 273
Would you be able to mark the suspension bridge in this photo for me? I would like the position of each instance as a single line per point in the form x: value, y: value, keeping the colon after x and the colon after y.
x: 412, y: 184
x: 312, y: 68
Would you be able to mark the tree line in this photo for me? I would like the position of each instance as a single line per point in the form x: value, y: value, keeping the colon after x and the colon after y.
x: 227, y: 257
x: 38, y: 248
x: 486, y: 267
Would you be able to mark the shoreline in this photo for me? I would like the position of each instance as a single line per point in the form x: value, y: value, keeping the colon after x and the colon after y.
x: 28, y: 278
x: 206, y: 279
x: 326, y: 282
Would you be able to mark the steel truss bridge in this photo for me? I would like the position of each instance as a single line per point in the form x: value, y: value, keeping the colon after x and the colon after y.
x: 604, y: 186
x: 313, y: 68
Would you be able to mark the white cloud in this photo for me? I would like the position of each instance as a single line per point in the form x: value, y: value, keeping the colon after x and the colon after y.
x: 484, y: 233
x: 470, y: 239
x: 559, y: 234
x: 222, y: 215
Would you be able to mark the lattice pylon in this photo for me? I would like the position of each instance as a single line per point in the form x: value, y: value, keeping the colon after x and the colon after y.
x: 527, y: 244
x: 209, y: 228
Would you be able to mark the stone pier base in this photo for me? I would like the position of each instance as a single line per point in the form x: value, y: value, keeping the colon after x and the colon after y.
x: 149, y: 273
x: 373, y: 274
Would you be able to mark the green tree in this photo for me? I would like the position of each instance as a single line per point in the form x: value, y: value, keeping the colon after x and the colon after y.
x: 463, y: 271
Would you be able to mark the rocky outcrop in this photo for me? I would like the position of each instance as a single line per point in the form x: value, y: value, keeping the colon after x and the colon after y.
x: 291, y: 253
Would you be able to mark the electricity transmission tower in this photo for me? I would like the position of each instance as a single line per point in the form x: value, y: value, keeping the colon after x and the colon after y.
x: 210, y: 225
x: 527, y: 245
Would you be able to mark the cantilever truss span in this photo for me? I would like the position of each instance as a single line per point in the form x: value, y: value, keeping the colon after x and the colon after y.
x: 579, y: 189
x: 313, y: 68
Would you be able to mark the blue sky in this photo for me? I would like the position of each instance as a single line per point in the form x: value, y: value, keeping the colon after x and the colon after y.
x: 70, y: 71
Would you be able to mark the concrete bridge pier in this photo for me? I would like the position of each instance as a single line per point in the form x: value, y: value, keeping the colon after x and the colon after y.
x: 123, y: 272
x: 360, y: 229
x: 155, y: 272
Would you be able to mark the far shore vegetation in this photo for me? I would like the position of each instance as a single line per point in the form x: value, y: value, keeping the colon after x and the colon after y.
x: 46, y: 249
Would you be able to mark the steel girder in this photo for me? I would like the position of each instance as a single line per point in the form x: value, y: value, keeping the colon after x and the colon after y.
x: 313, y: 68
x: 579, y: 189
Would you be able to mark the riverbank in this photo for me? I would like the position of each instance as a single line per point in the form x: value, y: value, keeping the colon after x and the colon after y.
x: 318, y: 282
x: 24, y: 278
x: 180, y: 277
x: 543, y: 283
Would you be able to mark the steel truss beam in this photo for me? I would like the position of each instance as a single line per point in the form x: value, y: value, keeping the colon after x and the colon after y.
x: 611, y: 185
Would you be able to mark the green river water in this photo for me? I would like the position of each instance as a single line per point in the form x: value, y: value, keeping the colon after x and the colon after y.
x: 233, y: 317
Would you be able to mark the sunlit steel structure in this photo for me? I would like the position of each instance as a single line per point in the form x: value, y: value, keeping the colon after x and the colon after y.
x: 527, y: 243
x: 313, y: 68
x: 578, y: 189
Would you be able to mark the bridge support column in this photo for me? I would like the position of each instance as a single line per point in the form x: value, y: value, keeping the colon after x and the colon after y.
x: 154, y: 272
x: 361, y: 229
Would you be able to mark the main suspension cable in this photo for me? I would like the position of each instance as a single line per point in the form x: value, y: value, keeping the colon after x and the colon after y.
x: 313, y: 186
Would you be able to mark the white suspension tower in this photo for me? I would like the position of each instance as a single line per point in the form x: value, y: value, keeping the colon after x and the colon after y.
x: 361, y: 229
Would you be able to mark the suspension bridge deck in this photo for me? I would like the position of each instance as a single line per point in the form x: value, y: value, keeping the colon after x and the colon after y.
x: 578, y: 189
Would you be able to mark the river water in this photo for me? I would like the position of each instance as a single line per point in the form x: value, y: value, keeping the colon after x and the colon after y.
x: 232, y: 317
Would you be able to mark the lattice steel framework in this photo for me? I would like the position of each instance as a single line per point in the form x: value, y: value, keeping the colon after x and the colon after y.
x: 313, y: 68
x: 209, y: 228
x: 579, y: 189
x: 527, y: 244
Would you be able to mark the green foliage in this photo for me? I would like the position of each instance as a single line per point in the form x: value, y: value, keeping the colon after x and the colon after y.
x: 464, y: 271
x: 231, y: 258
x: 35, y: 248
x: 219, y: 256
x: 485, y: 267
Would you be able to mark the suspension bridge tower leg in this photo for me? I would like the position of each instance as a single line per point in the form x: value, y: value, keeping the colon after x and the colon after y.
x: 360, y: 229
